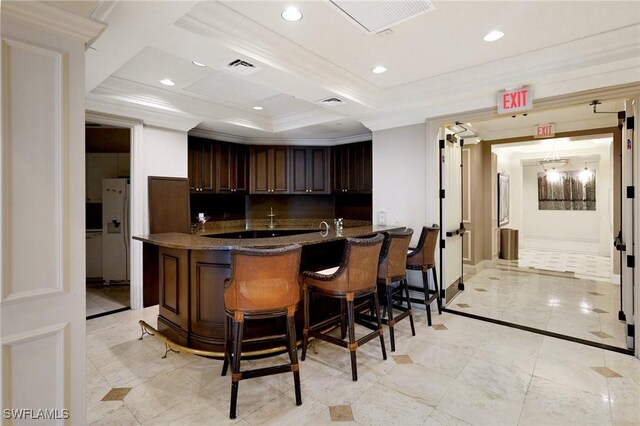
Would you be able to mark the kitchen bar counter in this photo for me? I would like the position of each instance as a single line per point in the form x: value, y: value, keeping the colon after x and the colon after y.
x: 184, y: 274
x: 208, y: 241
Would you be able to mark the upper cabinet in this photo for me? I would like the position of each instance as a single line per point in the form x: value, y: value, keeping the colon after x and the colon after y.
x: 231, y: 167
x: 269, y: 170
x: 201, y: 163
x: 223, y: 167
x: 309, y: 170
x: 351, y: 168
x: 104, y: 166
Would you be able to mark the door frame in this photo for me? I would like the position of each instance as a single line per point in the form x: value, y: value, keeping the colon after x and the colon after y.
x: 136, y: 206
x: 433, y: 125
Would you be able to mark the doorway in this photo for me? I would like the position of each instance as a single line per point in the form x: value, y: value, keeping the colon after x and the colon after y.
x: 557, y: 285
x: 108, y: 160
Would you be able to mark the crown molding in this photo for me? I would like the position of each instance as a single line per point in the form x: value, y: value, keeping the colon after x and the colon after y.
x: 218, y: 136
x: 142, y: 96
x: 304, y: 119
x: 148, y: 117
x: 43, y: 15
x: 208, y: 134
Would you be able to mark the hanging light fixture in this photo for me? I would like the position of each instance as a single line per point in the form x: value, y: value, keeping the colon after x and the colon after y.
x: 585, y: 175
x: 553, y: 176
x: 553, y: 162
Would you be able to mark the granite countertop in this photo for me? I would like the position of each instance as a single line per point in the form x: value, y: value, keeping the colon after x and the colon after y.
x: 207, y: 241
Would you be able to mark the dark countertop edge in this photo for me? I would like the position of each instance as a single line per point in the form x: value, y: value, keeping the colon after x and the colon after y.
x: 199, y: 242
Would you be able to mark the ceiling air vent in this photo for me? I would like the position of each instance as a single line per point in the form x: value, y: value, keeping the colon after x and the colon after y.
x: 242, y: 67
x: 331, y: 101
x: 377, y: 15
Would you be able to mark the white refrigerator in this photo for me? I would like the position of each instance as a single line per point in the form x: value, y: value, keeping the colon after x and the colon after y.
x: 115, y: 230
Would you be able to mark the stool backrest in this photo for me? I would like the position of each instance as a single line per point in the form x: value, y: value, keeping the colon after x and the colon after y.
x: 393, y: 256
x: 361, y: 263
x: 263, y: 280
x: 424, y: 253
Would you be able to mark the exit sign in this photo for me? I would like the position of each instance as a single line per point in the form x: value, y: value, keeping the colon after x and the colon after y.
x: 545, y: 131
x: 510, y: 101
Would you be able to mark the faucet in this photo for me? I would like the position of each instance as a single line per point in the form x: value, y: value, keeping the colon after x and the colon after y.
x: 271, y: 216
x: 326, y: 230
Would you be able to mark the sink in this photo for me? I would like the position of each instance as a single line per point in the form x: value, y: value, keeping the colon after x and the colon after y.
x: 265, y: 233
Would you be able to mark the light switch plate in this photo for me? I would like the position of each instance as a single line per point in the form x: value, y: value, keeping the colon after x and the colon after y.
x: 382, y: 217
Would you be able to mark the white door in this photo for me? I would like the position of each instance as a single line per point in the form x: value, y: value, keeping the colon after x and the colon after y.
x: 628, y: 201
x: 42, y: 233
x: 451, y: 218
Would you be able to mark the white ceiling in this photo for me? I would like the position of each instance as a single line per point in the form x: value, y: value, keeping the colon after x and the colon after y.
x: 437, y: 62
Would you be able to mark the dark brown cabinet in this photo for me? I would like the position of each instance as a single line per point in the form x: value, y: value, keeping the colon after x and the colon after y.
x: 269, y: 170
x: 231, y: 167
x: 309, y: 170
x: 351, y: 168
x: 201, y: 161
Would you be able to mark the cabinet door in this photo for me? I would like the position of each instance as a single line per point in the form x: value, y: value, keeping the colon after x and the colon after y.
x: 366, y: 170
x: 337, y: 153
x: 224, y: 168
x: 317, y: 170
x: 124, y: 165
x: 201, y: 165
x: 353, y: 163
x: 279, y: 169
x: 260, y: 170
x: 208, y: 161
x: 99, y: 166
x: 299, y: 170
x: 241, y: 156
x: 195, y: 165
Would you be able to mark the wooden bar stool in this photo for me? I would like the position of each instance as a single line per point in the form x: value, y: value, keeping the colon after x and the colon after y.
x: 354, y: 278
x: 392, y: 279
x: 263, y: 284
x: 422, y: 258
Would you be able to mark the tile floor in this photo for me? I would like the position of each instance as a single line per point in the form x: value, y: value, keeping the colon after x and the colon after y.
x: 102, y: 299
x: 583, y: 265
x: 462, y: 372
x: 561, y: 303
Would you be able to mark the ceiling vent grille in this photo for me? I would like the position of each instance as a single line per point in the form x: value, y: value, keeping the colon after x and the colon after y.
x: 331, y: 101
x: 378, y: 15
x: 241, y: 67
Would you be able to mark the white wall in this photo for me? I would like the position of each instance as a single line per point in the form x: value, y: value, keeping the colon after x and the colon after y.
x: 399, y: 177
x: 512, y: 167
x: 578, y: 226
x: 164, y: 154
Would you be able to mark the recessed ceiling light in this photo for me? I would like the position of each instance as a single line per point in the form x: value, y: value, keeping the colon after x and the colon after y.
x: 258, y: 108
x: 198, y: 64
x: 379, y: 69
x: 167, y: 82
x: 494, y: 35
x: 291, y: 14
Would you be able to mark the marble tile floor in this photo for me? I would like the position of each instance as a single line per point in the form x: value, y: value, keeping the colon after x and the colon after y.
x: 584, y: 266
x: 101, y: 298
x: 560, y: 303
x: 462, y: 372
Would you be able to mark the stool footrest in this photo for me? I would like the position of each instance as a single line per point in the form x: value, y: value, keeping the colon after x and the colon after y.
x: 265, y: 371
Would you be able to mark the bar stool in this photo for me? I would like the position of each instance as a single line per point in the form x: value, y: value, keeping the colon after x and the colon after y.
x: 355, y: 277
x: 422, y: 258
x: 263, y: 284
x: 392, y: 279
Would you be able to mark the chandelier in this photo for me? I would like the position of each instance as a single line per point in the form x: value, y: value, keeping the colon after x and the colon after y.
x: 553, y: 163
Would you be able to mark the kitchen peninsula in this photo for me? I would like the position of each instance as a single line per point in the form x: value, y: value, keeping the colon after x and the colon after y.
x: 186, y: 273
